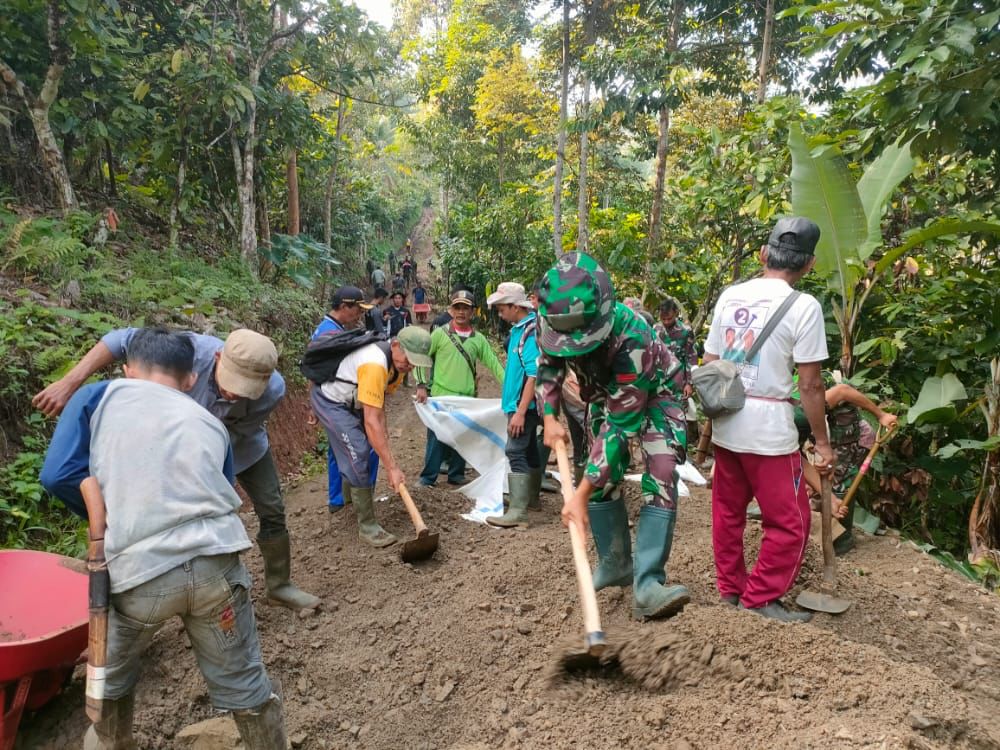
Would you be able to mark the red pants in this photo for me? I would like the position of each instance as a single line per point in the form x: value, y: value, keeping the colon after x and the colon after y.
x: 780, y: 488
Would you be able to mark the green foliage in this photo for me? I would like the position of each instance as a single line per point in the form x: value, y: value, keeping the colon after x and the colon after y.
x: 28, y: 517
x: 45, y: 246
x: 300, y: 258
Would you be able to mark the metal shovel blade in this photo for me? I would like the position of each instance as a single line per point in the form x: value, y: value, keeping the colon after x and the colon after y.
x: 421, y: 548
x: 819, y: 602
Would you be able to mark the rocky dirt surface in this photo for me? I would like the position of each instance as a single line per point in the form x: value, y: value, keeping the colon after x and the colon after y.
x: 459, y: 652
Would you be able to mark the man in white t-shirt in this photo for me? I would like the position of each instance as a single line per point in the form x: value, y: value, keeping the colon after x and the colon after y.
x: 756, y: 449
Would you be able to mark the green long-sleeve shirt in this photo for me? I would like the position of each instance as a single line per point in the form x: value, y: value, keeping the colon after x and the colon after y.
x: 451, y: 373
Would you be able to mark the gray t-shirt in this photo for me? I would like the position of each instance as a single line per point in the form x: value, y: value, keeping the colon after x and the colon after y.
x: 159, y: 459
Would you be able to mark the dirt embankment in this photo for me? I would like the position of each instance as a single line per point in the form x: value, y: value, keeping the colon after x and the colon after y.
x: 455, y: 653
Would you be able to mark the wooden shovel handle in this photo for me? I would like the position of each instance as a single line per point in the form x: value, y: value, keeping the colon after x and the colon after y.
x: 411, y: 508
x: 880, y: 440
x: 826, y: 510
x: 99, y: 596
x: 584, y: 579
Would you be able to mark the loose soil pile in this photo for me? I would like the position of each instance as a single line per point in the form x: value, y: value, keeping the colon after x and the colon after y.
x: 458, y: 652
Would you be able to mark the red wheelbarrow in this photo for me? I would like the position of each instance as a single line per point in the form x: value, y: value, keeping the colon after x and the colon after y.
x: 43, y: 631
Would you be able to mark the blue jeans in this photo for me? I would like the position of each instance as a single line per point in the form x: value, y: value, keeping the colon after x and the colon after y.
x: 435, y: 453
x: 211, y: 595
x: 336, y: 482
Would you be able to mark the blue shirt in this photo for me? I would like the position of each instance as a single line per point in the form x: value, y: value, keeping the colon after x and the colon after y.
x: 243, y: 418
x: 521, y: 364
x: 67, y: 461
x: 418, y: 295
x: 327, y: 325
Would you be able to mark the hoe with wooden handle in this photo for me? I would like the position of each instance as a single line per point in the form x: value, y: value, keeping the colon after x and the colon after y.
x: 824, y: 600
x: 594, y: 642
x: 100, y: 598
x: 426, y: 543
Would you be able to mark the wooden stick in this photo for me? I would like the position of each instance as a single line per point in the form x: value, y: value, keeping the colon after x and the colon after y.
x: 99, y: 596
x: 829, y: 558
x: 588, y: 598
x: 703, y: 440
x: 411, y: 508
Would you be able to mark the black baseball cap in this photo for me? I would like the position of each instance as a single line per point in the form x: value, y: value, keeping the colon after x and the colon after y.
x: 463, y: 297
x: 795, y: 233
x: 349, y: 295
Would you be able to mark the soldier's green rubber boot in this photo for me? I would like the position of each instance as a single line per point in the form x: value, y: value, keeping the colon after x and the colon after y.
x: 368, y: 527
x: 520, y: 486
x: 654, y: 534
x: 609, y: 525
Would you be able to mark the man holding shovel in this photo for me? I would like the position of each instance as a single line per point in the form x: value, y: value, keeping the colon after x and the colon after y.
x: 165, y: 468
x: 351, y: 407
x: 237, y: 382
x: 625, y: 376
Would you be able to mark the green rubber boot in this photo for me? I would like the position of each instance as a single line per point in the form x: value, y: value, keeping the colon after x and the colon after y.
x: 521, y: 486
x: 546, y: 484
x: 609, y: 525
x: 845, y: 542
x: 277, y: 554
x: 534, y: 500
x: 653, y: 536
x: 368, y: 527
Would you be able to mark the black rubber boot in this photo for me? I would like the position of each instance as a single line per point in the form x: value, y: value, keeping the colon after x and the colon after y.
x: 547, y: 484
x: 277, y: 554
x: 114, y: 730
x: 609, y: 525
x: 263, y: 727
x: 534, y: 499
x: 845, y: 542
x: 521, y: 486
x: 654, y: 534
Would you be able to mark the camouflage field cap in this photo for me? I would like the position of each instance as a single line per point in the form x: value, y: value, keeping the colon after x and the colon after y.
x: 575, y: 302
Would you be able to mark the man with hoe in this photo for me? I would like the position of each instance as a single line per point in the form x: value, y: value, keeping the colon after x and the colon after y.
x: 625, y: 375
x: 164, y: 466
x: 518, y: 403
x: 757, y: 448
x: 456, y: 347
x: 351, y: 407
x: 347, y: 307
x: 237, y: 382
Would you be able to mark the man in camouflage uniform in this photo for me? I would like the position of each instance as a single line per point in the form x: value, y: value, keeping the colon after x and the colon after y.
x: 625, y: 376
x: 847, y: 438
x: 679, y: 338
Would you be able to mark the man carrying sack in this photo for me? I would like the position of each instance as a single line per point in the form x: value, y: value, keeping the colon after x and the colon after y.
x: 455, y: 350
x: 625, y: 375
x: 173, y: 536
x: 351, y: 407
x: 756, y: 446
x: 237, y: 382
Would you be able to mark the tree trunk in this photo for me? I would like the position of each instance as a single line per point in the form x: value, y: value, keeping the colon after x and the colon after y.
x: 243, y: 158
x: 38, y: 107
x: 583, y: 202
x: 662, y: 141
x: 984, y: 520
x: 331, y: 178
x: 765, y: 52
x: 292, y: 172
x: 557, y: 230
x: 175, y: 204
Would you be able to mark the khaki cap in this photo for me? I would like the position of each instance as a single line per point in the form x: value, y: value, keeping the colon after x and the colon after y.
x: 246, y: 364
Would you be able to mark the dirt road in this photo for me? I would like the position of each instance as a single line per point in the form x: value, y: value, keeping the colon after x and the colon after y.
x: 453, y: 653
